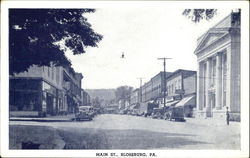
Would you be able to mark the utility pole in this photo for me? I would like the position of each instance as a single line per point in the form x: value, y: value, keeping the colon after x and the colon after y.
x: 164, y: 79
x: 140, y: 88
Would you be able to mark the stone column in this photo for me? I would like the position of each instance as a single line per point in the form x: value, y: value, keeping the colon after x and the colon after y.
x: 198, y: 106
x: 200, y: 87
x: 208, y: 82
x: 218, y: 90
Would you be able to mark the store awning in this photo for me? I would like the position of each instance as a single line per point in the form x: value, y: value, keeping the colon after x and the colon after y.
x: 172, y: 103
x: 187, y: 101
x: 150, y: 101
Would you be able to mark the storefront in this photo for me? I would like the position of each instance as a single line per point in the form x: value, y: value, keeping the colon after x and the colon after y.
x: 188, y: 103
x: 34, y: 97
x: 25, y: 98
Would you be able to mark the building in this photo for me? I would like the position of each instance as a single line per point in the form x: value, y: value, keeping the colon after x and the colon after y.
x: 135, y: 97
x: 218, y: 81
x: 123, y: 104
x: 146, y: 91
x: 153, y: 89
x: 85, y: 98
x: 188, y: 101
x: 44, y: 91
x: 181, y: 90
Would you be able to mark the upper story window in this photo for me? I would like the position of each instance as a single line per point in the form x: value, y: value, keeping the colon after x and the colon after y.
x: 179, y: 83
x: 57, y: 74
x: 48, y: 71
x: 52, y: 72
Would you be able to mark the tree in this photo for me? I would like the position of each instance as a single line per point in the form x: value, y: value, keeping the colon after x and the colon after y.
x: 96, y: 102
x: 33, y: 34
x: 123, y: 92
x: 199, y: 14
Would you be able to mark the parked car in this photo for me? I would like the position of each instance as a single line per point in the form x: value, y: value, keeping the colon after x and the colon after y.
x: 176, y: 113
x: 85, y: 113
x: 147, y: 108
x: 158, y: 113
x: 135, y: 112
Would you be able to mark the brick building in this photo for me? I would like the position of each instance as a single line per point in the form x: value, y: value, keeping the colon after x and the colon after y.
x: 181, y: 90
x: 153, y: 89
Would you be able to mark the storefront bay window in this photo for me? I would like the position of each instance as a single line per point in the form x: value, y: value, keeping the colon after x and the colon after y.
x: 24, y: 95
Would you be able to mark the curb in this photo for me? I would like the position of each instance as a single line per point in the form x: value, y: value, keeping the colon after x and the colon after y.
x: 41, y: 120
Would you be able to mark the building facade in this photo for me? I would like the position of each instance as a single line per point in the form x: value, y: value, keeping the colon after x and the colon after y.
x: 135, y: 97
x: 154, y: 88
x: 181, y: 91
x: 85, y: 98
x: 42, y: 91
x: 176, y: 89
x: 188, y: 94
x: 218, y: 81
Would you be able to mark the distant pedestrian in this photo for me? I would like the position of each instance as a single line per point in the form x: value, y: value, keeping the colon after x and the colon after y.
x: 228, y: 116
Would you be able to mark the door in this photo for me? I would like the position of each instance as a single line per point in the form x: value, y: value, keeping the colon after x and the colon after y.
x: 49, y: 100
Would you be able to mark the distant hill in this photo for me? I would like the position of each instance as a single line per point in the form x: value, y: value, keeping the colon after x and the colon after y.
x: 106, y: 94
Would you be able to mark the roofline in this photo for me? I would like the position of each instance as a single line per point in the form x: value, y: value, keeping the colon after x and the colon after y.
x: 215, y: 25
x: 178, y: 71
x: 210, y: 31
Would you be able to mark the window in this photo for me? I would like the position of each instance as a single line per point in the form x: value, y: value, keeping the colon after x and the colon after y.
x: 57, y: 74
x: 179, y: 84
x: 172, y: 88
x: 52, y: 72
x: 48, y: 71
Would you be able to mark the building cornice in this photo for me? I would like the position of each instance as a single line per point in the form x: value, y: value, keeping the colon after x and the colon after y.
x: 212, y: 52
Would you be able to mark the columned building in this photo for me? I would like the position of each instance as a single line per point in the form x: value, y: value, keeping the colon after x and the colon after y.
x: 218, y: 75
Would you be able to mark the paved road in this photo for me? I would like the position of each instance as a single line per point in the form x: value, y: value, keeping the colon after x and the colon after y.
x: 110, y: 131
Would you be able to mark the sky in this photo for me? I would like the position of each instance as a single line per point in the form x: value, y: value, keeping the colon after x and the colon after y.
x: 143, y: 34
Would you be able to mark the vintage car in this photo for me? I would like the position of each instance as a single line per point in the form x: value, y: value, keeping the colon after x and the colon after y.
x: 85, y: 113
x: 174, y: 113
x: 157, y: 113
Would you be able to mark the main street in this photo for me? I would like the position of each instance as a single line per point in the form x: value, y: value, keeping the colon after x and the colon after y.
x: 110, y: 131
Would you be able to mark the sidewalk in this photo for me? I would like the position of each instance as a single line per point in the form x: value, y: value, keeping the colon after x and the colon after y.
x: 213, y: 122
x: 65, y: 118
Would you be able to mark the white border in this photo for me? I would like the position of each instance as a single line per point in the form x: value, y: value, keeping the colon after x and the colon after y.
x: 5, y: 152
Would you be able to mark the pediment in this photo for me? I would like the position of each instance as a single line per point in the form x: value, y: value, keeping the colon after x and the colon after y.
x: 209, y: 38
